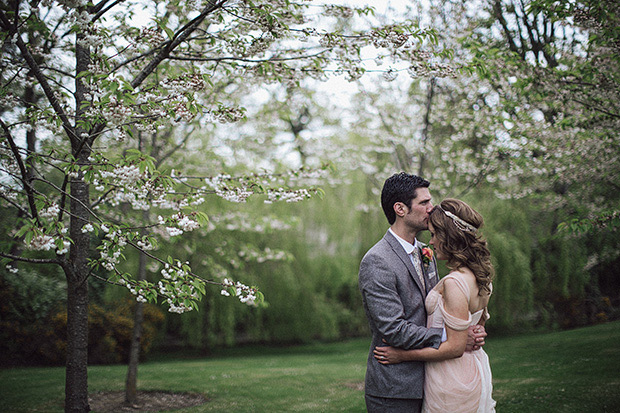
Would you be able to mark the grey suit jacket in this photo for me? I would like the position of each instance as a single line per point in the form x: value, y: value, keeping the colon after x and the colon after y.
x: 393, y: 299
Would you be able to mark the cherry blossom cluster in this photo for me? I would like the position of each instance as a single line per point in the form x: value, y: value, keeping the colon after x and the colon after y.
x: 135, y: 288
x: 281, y: 194
x: 388, y: 38
x: 8, y: 164
x: 240, y: 189
x: 241, y: 222
x: 152, y: 35
x: 11, y: 269
x: 261, y: 20
x: 178, y: 223
x: 179, y: 287
x: 259, y: 45
x: 420, y: 69
x: 128, y: 183
x: 225, y: 114
x: 50, y: 212
x: 245, y: 294
x: 111, y: 248
x: 338, y: 11
x: 188, y: 82
x: 234, y: 194
x: 249, y: 253
x: 44, y: 242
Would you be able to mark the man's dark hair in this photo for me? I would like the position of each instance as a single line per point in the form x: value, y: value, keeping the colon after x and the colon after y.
x: 401, y: 187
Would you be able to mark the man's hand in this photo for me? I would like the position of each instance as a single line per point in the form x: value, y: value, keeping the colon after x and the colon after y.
x: 475, y: 337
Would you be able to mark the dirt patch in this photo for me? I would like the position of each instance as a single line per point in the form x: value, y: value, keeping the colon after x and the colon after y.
x: 148, y: 401
x: 355, y: 385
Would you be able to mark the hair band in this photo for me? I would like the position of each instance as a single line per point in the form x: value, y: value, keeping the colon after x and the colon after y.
x: 460, y: 223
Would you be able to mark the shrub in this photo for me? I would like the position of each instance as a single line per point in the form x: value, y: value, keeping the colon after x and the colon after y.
x: 109, y: 338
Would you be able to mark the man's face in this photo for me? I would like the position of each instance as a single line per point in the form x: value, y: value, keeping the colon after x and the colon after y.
x: 421, y: 206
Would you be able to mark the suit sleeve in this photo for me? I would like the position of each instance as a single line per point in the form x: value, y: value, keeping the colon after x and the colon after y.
x: 385, y: 308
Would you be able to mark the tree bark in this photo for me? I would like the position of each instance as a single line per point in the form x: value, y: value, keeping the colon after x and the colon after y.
x: 76, y: 270
x: 76, y: 380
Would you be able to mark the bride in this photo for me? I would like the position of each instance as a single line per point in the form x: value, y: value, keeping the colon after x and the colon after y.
x: 455, y: 380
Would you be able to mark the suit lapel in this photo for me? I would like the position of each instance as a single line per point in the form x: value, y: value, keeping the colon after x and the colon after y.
x: 400, y: 252
x: 430, y: 273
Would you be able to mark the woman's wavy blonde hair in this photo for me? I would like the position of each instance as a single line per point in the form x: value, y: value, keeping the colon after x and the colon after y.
x: 463, y: 245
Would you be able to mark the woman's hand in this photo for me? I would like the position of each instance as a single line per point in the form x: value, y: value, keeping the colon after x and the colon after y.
x: 389, y: 355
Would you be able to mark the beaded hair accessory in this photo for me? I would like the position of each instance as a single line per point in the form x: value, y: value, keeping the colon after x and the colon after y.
x: 460, y: 224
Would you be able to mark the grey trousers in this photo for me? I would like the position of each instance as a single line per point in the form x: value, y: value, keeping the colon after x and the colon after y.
x: 387, y: 405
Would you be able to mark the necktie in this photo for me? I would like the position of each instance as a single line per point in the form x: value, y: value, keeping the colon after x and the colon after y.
x: 417, y: 264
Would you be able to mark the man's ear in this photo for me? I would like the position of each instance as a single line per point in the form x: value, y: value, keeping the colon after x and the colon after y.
x: 400, y: 209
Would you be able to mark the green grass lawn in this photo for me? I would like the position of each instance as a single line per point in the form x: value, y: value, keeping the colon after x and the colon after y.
x: 569, y: 371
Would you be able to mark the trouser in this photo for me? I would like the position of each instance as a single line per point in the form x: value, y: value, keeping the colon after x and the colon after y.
x: 376, y: 404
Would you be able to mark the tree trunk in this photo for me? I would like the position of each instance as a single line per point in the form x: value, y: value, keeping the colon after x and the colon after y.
x: 76, y: 270
x: 427, y: 123
x: 76, y: 381
x: 131, y: 384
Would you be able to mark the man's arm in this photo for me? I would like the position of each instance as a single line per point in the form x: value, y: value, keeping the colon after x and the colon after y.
x: 385, y: 308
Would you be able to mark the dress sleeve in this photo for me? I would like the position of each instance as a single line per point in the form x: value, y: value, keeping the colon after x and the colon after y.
x: 451, y: 321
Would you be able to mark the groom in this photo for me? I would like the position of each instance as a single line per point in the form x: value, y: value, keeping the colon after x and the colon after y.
x: 394, y: 282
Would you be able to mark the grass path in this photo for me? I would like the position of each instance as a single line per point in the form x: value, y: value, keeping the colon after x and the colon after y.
x: 569, y: 371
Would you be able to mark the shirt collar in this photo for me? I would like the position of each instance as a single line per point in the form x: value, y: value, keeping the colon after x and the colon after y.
x: 409, y: 247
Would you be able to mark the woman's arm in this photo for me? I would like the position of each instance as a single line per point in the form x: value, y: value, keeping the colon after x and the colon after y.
x: 455, y: 303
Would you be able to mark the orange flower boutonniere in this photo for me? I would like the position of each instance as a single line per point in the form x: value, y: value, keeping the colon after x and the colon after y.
x: 427, y: 255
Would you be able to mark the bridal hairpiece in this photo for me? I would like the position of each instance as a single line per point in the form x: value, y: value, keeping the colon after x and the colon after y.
x: 460, y: 224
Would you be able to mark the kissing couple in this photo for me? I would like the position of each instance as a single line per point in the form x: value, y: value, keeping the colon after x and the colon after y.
x: 427, y: 334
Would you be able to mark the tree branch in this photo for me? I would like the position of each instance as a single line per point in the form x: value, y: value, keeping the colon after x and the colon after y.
x: 100, y: 9
x: 241, y: 59
x: 30, y: 260
x: 26, y: 181
x: 165, y: 51
x: 16, y: 205
x: 38, y: 74
x: 177, y: 39
x: 72, y: 197
x: 173, y: 150
x: 499, y: 15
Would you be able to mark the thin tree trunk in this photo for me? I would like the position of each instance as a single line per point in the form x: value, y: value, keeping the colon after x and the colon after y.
x: 427, y: 123
x: 131, y: 384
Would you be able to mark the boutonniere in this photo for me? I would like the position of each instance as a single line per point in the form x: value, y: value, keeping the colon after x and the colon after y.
x: 427, y: 256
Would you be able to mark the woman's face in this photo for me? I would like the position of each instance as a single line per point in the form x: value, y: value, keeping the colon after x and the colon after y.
x: 435, y: 243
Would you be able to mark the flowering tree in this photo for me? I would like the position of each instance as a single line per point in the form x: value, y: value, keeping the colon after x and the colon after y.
x: 555, y: 71
x: 83, y: 83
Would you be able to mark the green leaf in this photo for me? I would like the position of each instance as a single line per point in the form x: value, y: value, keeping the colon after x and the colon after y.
x: 168, y: 31
x: 202, y: 218
x: 27, y: 227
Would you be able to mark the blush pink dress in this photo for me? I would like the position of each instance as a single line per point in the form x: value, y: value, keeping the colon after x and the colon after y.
x: 460, y: 385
